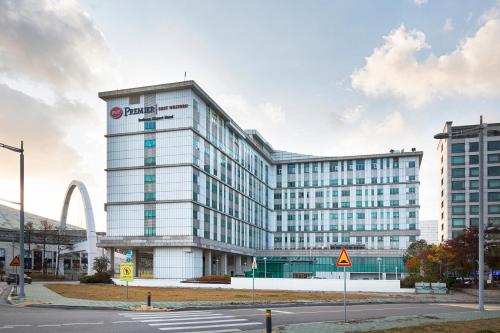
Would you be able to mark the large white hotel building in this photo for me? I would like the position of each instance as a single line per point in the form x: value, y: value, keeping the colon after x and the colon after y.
x: 192, y: 194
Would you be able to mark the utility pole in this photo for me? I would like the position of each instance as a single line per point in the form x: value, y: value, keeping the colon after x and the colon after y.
x: 481, y: 213
x: 21, y: 215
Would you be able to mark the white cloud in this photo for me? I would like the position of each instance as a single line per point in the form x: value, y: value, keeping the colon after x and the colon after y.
x: 350, y: 115
x: 261, y: 116
x: 472, y: 69
x: 420, y: 2
x: 448, y: 25
x: 54, y: 42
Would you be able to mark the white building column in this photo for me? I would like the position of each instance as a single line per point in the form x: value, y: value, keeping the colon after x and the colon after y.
x: 208, y: 263
x: 223, y: 260
x: 111, y: 255
x: 237, y: 264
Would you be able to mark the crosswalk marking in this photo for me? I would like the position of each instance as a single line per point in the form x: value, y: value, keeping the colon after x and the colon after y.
x: 278, y: 311
x: 207, y: 326
x: 228, y: 330
x: 186, y: 318
x: 203, y: 321
x: 198, y: 322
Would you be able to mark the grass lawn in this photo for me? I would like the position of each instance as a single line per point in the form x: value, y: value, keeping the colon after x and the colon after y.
x: 106, y: 292
x: 472, y: 326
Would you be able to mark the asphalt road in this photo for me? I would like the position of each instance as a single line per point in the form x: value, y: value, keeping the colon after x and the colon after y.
x: 41, y: 320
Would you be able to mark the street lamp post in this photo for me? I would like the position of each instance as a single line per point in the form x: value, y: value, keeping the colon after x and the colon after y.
x: 480, y: 130
x: 265, y: 267
x: 379, y: 260
x: 21, y: 214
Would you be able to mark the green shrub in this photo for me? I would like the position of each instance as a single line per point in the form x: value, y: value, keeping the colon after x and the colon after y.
x: 409, y: 281
x: 96, y: 278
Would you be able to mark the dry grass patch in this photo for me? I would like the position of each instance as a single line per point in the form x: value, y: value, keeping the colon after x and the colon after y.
x: 471, y: 326
x: 105, y: 292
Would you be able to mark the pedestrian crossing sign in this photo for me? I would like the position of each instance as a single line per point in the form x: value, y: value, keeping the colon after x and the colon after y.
x: 343, y: 260
x: 15, y: 261
x: 127, y: 272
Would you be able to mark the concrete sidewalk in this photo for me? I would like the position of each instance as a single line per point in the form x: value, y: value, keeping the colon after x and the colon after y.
x: 383, y: 323
x: 39, y: 295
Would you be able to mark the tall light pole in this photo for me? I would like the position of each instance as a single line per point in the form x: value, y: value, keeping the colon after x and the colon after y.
x: 379, y: 260
x: 265, y: 267
x: 480, y: 130
x: 21, y: 214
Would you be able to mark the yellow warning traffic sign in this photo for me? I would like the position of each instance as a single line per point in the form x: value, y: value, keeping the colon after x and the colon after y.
x: 343, y: 260
x: 15, y: 261
x: 127, y: 272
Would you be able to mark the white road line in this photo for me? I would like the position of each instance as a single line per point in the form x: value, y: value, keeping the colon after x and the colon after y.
x: 199, y: 322
x: 133, y: 314
x: 278, y: 311
x: 181, y: 319
x: 207, y: 326
x: 73, y: 324
x: 124, y: 321
x: 218, y: 331
x: 177, y: 316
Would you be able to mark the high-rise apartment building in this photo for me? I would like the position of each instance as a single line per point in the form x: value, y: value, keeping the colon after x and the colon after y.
x: 459, y: 158
x: 192, y: 194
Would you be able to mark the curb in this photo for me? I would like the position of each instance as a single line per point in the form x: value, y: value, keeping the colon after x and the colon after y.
x: 245, y: 306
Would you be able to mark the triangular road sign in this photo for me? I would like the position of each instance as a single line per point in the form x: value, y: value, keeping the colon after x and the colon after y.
x: 343, y: 260
x: 254, y: 263
x: 15, y: 261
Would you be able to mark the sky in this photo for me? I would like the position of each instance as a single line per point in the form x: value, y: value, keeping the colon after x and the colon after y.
x: 326, y: 78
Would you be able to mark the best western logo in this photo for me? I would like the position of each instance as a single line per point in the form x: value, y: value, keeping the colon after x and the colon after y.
x: 117, y: 112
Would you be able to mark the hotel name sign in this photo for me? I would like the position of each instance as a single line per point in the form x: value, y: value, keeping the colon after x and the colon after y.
x: 117, y: 112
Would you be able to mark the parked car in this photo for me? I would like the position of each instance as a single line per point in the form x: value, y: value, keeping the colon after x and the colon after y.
x: 14, y: 279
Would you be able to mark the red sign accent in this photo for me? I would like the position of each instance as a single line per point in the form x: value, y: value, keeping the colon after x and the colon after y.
x: 116, y: 112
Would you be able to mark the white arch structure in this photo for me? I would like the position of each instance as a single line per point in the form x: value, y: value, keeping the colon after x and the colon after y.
x: 89, y: 219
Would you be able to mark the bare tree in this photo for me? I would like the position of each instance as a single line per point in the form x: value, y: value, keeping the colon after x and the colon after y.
x: 28, y: 229
x: 47, y: 229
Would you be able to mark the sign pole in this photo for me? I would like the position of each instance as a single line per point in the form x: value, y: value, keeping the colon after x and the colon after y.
x: 253, y: 285
x: 127, y: 291
x: 345, y: 308
x: 344, y: 261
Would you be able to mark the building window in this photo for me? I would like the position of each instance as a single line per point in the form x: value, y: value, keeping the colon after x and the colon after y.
x: 493, y: 145
x: 458, y: 160
x: 411, y: 178
x: 493, y: 196
x: 360, y: 164
x: 458, y: 185
x: 473, y: 159
x: 394, y: 190
x: 494, y: 183
x: 150, y: 161
x: 149, y: 213
x: 493, y: 158
x: 474, y: 184
x: 394, y: 203
x: 458, y: 210
x: 474, y: 172
x: 411, y: 164
x: 149, y: 125
x: 458, y: 173
x: 395, y: 179
x: 148, y: 179
x: 150, y: 196
x: 494, y: 171
x: 473, y: 146
x: 412, y: 214
x: 494, y: 209
x: 458, y: 223
x: 149, y: 143
x: 474, y: 197
x: 458, y: 148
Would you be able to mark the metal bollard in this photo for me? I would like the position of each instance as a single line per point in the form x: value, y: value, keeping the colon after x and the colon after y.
x: 149, y: 298
x: 269, y: 325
